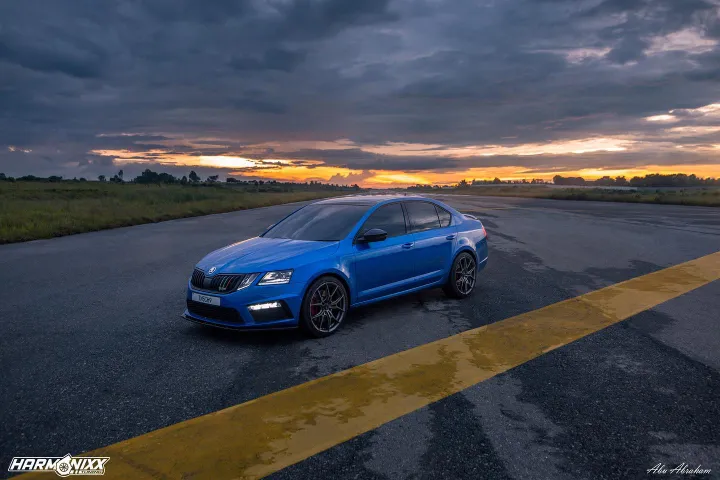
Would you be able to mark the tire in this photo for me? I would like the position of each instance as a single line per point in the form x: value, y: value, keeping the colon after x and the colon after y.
x: 324, y: 307
x: 463, y: 276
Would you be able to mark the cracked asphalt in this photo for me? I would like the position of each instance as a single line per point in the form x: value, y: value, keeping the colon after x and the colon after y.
x: 93, y: 351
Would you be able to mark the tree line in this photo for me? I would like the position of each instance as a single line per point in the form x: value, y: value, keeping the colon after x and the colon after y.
x: 149, y: 177
x: 651, y: 180
x: 678, y: 180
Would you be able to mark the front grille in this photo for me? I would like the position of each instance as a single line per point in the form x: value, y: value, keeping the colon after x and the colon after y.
x: 197, y: 278
x: 219, y: 283
x: 224, y: 314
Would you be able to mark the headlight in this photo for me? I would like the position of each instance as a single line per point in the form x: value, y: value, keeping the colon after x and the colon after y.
x: 247, y: 280
x: 280, y: 277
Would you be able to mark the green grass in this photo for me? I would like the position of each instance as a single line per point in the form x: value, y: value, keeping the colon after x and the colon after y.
x: 707, y: 197
x: 30, y: 210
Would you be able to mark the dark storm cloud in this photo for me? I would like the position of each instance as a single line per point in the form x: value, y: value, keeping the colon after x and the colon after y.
x: 273, y: 59
x: 358, y: 159
x: 74, y: 60
x: 461, y: 72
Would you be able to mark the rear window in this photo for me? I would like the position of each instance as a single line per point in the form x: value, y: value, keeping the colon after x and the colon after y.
x: 445, y: 216
x: 422, y: 216
x: 320, y: 223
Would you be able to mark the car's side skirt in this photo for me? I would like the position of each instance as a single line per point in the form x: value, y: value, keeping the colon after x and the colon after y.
x: 397, y: 294
x: 396, y: 288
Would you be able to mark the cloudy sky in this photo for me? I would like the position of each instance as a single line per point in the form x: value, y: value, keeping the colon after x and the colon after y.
x: 375, y: 92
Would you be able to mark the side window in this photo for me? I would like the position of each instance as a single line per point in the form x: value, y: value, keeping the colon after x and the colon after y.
x: 445, y: 216
x: 389, y: 218
x: 422, y: 216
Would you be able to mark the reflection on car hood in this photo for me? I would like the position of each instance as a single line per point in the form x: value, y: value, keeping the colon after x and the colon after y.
x: 263, y: 254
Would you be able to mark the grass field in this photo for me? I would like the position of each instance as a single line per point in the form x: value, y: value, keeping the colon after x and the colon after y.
x: 707, y: 197
x: 33, y: 210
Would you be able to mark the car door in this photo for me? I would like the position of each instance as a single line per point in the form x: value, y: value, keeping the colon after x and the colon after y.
x: 434, y: 237
x: 385, y: 267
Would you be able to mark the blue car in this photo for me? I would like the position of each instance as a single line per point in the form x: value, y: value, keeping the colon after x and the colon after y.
x: 308, y: 269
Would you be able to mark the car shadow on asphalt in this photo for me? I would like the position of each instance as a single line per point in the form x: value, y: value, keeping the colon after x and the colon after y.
x: 357, y: 318
x: 245, y: 337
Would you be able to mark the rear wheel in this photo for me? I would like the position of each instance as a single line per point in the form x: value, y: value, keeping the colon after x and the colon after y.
x: 324, y: 308
x: 463, y: 273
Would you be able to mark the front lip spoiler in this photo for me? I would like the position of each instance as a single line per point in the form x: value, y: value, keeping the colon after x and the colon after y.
x: 242, y: 328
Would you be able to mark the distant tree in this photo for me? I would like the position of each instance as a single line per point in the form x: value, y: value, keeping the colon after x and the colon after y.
x: 2, y: 176
x: 83, y: 179
x: 183, y: 180
x: 148, y: 176
x: 560, y: 180
x: 193, y: 177
x: 212, y: 178
x: 604, y: 182
x: 231, y: 180
x: 496, y: 181
x: 621, y: 182
x: 463, y: 183
x: 120, y: 175
x: 101, y: 178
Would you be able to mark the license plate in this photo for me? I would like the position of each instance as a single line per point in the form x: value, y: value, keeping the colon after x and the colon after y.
x: 206, y: 299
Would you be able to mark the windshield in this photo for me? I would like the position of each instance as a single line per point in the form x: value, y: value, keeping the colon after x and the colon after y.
x: 319, y: 222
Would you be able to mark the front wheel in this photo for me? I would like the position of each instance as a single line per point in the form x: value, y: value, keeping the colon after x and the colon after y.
x: 324, y: 308
x: 463, y: 274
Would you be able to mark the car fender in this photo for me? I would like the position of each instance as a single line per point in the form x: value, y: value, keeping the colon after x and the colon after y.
x: 341, y: 271
x: 464, y: 243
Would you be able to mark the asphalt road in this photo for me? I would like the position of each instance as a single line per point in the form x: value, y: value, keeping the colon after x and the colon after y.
x: 93, y: 351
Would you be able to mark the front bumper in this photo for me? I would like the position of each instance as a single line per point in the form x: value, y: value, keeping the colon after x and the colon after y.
x: 289, y: 296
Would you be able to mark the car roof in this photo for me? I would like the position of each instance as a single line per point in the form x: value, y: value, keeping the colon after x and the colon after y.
x: 368, y: 199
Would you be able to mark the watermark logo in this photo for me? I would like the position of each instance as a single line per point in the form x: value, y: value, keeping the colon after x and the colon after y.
x: 682, y: 469
x: 63, y: 466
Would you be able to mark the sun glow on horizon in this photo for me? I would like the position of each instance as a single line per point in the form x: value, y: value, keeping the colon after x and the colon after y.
x: 223, y: 161
x: 286, y: 170
x: 684, y: 131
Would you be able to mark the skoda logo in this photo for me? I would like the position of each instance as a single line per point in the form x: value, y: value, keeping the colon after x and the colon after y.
x: 212, y: 270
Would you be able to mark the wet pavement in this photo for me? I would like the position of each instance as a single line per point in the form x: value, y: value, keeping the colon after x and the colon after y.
x: 93, y: 350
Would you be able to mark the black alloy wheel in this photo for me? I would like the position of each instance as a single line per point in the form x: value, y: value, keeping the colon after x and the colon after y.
x: 325, y: 306
x: 463, y: 274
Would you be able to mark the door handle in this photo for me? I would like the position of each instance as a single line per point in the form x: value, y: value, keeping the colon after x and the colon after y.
x: 408, y: 245
x: 450, y: 237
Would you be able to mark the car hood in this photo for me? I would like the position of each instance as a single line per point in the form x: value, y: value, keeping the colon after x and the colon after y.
x: 261, y: 254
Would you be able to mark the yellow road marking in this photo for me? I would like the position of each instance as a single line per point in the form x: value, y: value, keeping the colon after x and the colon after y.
x: 264, y: 435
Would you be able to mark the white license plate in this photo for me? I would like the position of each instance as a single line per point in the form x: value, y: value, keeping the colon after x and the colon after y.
x: 206, y: 299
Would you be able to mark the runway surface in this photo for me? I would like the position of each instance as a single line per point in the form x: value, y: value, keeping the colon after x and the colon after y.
x: 93, y: 350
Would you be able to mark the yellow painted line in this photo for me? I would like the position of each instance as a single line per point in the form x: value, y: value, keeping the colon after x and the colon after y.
x: 264, y: 435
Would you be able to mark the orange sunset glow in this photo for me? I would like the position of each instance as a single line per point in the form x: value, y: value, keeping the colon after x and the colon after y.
x: 539, y: 160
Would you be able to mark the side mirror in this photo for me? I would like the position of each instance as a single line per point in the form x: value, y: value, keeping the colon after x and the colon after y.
x: 373, y: 235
